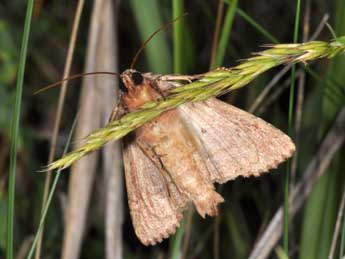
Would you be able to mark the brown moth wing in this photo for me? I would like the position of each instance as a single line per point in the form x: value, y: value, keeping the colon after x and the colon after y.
x: 236, y: 143
x: 155, y: 203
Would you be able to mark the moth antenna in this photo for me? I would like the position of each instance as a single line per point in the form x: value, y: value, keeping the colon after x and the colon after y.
x: 163, y: 27
x: 74, y: 77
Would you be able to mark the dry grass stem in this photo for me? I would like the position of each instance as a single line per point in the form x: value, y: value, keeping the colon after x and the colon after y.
x: 111, y: 154
x: 337, y: 226
x: 300, y: 100
x: 58, y: 116
x: 216, y: 33
x: 278, y: 91
x: 187, y: 235
x: 83, y: 172
x: 274, y: 81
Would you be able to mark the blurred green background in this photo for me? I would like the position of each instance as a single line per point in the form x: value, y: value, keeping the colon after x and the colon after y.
x: 187, y: 49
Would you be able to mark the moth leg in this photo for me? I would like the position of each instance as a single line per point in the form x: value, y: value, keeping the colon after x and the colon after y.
x: 151, y: 154
x: 162, y: 88
x: 165, y: 83
x: 154, y: 157
x: 117, y: 112
x: 188, y: 78
x: 155, y: 214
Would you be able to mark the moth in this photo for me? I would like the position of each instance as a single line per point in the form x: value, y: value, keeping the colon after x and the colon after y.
x: 176, y: 158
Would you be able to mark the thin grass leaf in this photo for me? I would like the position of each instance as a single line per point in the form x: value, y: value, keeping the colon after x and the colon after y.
x: 214, y: 83
x: 176, y: 241
x: 257, y: 26
x: 238, y: 237
x: 59, y: 111
x: 225, y: 34
x: 179, y: 60
x: 15, y: 130
x: 51, y: 193
x: 215, y: 38
x: 157, y: 52
x: 290, y: 121
x: 178, y: 9
x: 252, y: 22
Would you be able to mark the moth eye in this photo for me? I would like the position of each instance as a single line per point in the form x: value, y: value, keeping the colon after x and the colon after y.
x: 137, y: 78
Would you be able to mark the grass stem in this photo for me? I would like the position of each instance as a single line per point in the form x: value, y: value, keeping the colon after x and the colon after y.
x: 290, y: 119
x: 225, y: 34
x: 50, y: 195
x: 178, y: 9
x: 15, y: 130
x: 214, y: 48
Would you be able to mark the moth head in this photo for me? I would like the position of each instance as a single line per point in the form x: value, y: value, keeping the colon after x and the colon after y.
x: 131, y: 80
x: 137, y: 89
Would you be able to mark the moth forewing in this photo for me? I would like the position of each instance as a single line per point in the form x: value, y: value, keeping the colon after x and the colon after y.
x: 236, y: 142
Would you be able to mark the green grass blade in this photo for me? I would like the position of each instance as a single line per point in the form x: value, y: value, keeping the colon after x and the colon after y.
x: 176, y: 241
x: 225, y: 34
x: 51, y: 193
x: 157, y: 51
x: 178, y: 9
x: 238, y: 233
x: 290, y: 118
x: 257, y: 26
x: 297, y: 19
x: 15, y: 130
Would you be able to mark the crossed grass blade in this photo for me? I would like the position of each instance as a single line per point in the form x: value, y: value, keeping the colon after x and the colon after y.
x: 214, y: 83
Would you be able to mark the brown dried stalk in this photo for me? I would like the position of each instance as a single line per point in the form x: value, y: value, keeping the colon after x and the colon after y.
x: 57, y: 121
x: 337, y: 226
x: 216, y: 33
x: 112, y: 157
x: 82, y: 173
